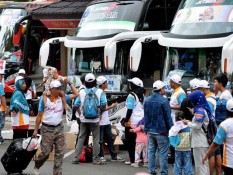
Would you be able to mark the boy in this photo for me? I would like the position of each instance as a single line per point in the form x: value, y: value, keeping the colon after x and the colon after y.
x: 179, y: 136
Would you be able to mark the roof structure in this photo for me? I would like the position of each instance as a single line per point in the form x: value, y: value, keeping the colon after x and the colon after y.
x: 63, y: 9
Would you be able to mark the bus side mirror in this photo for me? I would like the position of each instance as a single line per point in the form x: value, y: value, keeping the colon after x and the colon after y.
x: 110, y: 55
x: 135, y: 56
x: 227, y: 58
x: 44, y: 54
x: 17, y: 34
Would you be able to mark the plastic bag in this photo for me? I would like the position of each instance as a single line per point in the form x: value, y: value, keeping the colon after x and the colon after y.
x: 31, y: 143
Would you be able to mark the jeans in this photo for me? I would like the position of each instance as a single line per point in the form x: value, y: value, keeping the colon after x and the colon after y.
x: 2, y: 124
x: 106, y: 130
x: 160, y: 142
x: 183, y: 159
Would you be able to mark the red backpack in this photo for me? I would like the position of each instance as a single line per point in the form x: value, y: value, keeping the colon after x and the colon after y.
x: 86, y: 154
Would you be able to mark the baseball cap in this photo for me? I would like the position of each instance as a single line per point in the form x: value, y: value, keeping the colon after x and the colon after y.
x: 101, y: 80
x: 176, y: 79
x: 55, y: 84
x: 89, y: 77
x: 136, y: 81
x: 194, y: 83
x: 19, y: 78
x: 22, y: 71
x: 2, y: 72
x: 204, y: 84
x: 229, y: 105
x: 157, y: 85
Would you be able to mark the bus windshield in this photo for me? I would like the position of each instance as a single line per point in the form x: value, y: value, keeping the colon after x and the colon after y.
x: 203, y: 17
x: 8, y: 18
x: 104, y: 19
x: 203, y: 63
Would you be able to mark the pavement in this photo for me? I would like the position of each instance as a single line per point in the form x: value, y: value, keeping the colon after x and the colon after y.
x: 111, y: 168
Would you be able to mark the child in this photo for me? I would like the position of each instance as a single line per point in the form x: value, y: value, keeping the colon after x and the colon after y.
x: 179, y: 136
x: 50, y: 74
x: 141, y: 143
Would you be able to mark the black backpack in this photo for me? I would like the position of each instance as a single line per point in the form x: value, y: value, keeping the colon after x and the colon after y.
x: 210, y: 131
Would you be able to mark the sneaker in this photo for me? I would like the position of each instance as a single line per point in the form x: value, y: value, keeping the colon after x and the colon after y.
x: 36, y: 171
x: 75, y: 162
x: 117, y: 158
x: 99, y: 162
x: 127, y: 162
x: 102, y: 159
x: 145, y: 164
x: 135, y: 165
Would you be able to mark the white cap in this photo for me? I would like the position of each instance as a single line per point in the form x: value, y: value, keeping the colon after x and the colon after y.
x: 176, y: 79
x: 89, y: 77
x: 204, y: 84
x: 55, y: 84
x: 22, y: 71
x: 19, y: 78
x: 136, y: 81
x: 194, y: 83
x: 157, y: 85
x: 229, y: 105
x: 101, y: 80
x: 2, y: 72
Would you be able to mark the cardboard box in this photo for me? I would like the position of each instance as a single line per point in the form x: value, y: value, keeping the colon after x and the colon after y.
x: 70, y: 140
x: 117, y: 142
x: 51, y: 155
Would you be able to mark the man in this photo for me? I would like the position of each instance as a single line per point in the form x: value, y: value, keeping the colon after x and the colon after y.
x: 224, y: 136
x: 158, y: 121
x: 91, y: 124
x: 178, y: 95
x: 215, y: 159
x: 3, y: 106
x: 105, y: 126
x: 52, y: 129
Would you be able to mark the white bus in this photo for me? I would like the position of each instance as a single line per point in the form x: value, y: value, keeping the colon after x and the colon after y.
x: 122, y: 22
x: 199, y: 43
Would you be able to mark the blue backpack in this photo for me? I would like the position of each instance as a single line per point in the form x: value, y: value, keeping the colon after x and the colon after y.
x: 90, y: 105
x: 221, y: 111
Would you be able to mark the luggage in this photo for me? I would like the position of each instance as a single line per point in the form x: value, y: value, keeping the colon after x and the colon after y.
x: 16, y: 159
x: 86, y: 154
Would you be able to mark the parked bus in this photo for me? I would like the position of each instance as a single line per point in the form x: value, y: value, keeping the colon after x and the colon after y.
x: 125, y: 20
x: 20, y: 40
x: 199, y: 43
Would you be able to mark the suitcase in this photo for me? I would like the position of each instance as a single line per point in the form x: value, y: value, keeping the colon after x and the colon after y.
x: 16, y: 159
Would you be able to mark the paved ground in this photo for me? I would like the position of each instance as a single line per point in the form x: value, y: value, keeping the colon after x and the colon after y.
x: 112, y: 168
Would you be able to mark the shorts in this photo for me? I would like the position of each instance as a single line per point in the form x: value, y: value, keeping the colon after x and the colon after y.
x: 216, y: 152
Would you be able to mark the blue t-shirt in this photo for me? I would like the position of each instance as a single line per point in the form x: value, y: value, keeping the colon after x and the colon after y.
x: 181, y: 97
x: 130, y: 102
x: 2, y: 93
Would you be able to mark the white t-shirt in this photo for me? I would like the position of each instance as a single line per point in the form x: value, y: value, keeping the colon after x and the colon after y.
x: 105, y: 118
x: 225, y: 95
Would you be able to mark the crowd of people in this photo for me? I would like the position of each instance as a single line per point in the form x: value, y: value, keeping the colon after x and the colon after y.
x: 152, y: 124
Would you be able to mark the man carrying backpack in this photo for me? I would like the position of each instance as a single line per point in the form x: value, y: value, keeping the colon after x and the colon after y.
x: 90, y: 103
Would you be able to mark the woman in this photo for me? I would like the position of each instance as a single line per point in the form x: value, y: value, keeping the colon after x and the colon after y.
x: 224, y: 136
x: 19, y: 110
x: 199, y: 141
x: 135, y: 113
